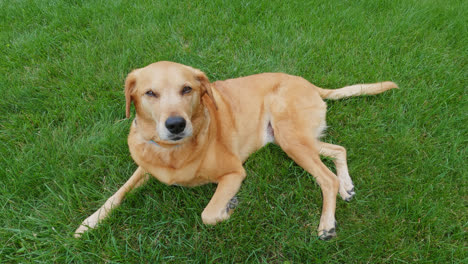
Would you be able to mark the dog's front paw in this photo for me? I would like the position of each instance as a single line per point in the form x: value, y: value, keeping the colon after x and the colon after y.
x: 81, y: 229
x: 211, y: 217
x: 232, y: 204
x: 87, y: 224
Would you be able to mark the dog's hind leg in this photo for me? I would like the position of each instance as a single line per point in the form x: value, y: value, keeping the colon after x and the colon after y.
x: 293, y: 135
x: 298, y: 118
x: 338, y: 153
x: 305, y: 153
x: 138, y: 178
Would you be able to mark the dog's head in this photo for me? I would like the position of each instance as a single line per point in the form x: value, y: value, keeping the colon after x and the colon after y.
x: 167, y: 97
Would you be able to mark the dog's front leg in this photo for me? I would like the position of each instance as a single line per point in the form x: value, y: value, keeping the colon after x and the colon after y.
x: 218, y: 208
x: 138, y: 178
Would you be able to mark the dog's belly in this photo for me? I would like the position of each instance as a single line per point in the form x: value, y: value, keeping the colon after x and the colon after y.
x: 268, y: 134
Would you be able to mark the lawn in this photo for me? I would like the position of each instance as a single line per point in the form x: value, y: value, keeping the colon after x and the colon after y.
x: 63, y: 130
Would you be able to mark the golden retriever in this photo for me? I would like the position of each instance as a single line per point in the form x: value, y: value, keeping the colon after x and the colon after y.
x: 188, y: 131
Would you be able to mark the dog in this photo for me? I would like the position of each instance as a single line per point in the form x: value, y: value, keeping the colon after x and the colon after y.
x: 188, y: 131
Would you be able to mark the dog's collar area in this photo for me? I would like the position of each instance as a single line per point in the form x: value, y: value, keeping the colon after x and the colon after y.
x: 154, y: 143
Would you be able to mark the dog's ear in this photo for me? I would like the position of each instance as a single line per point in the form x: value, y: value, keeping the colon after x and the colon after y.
x: 129, y: 89
x: 206, y: 86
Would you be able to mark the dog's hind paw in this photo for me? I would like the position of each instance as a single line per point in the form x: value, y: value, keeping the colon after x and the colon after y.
x: 347, y: 194
x: 327, y: 234
x: 350, y: 195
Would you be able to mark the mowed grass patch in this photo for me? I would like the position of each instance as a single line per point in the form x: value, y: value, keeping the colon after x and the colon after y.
x: 63, y: 133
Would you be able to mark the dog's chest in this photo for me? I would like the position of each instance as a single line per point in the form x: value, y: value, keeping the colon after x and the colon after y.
x: 186, y: 176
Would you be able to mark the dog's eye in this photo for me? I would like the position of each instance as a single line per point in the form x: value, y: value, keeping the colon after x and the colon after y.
x: 186, y: 90
x: 151, y: 94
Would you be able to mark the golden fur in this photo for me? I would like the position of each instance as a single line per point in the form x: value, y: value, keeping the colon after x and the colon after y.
x: 226, y: 121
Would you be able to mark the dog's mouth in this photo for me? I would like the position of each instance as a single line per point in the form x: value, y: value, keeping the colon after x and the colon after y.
x: 171, y: 141
x: 176, y: 138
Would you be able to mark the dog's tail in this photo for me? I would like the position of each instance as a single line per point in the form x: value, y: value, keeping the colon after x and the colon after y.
x: 355, y: 90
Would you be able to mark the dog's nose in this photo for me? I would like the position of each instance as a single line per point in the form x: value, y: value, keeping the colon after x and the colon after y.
x: 175, y: 124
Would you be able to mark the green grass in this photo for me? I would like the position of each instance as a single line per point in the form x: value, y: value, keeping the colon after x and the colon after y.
x: 63, y: 135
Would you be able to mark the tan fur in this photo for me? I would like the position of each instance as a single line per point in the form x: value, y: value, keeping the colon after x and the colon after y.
x: 229, y: 120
